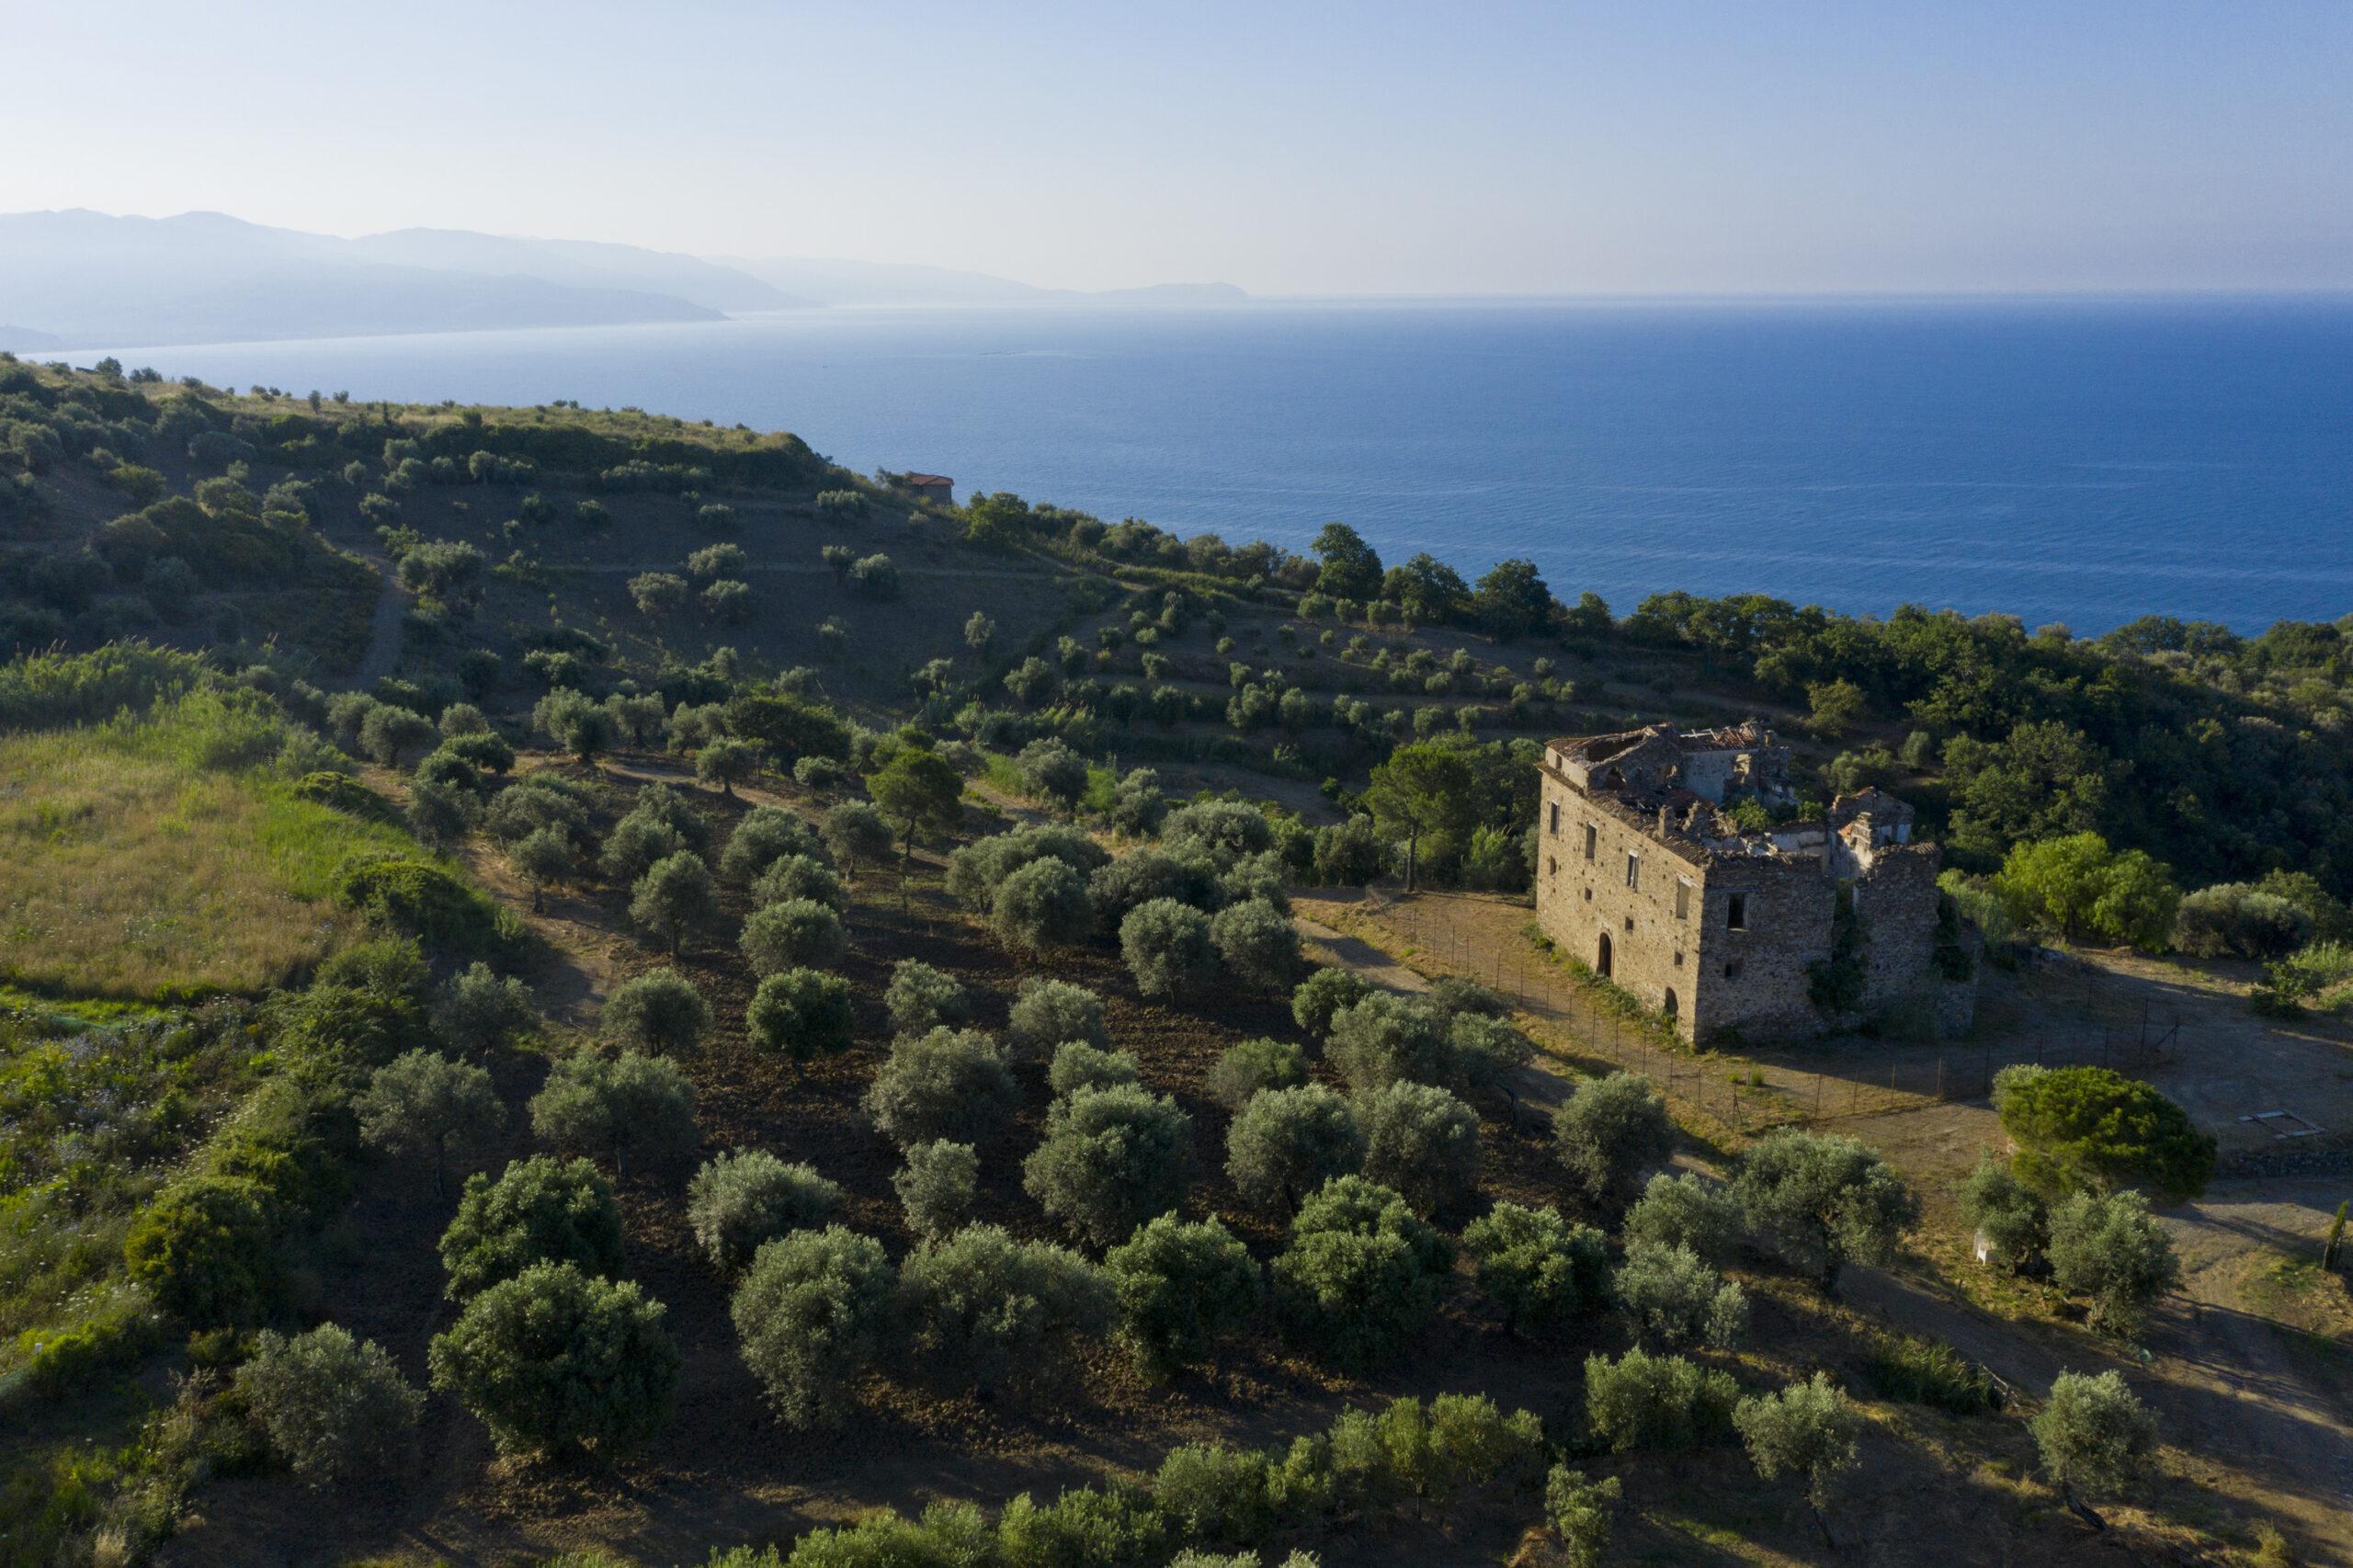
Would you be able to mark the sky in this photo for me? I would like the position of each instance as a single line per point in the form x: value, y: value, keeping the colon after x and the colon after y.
x: 1290, y: 147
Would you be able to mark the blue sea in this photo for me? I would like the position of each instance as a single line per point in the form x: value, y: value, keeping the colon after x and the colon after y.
x: 2060, y: 460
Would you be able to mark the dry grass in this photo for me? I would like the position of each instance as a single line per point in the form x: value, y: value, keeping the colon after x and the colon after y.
x: 131, y: 870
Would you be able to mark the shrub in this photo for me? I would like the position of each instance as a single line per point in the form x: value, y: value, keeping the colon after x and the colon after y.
x: 803, y: 877
x: 419, y: 899
x: 947, y: 1084
x: 1384, y: 1038
x: 539, y: 1210
x: 1167, y: 949
x: 1051, y: 772
x: 796, y: 932
x: 482, y: 1010
x: 1579, y: 1512
x: 1111, y: 1158
x: 659, y: 1010
x: 765, y: 835
x: 1257, y: 942
x: 1180, y: 1288
x: 1213, y: 1494
x: 675, y: 898
x: 1686, y: 1211
x: 2091, y: 1433
x: 331, y: 1406
x: 1324, y: 993
x: 1674, y: 1298
x: 1287, y: 1143
x: 800, y: 1013
x: 876, y: 577
x: 2012, y: 1217
x: 388, y: 732
x: 2236, y: 920
x: 1252, y: 1065
x: 1610, y: 1130
x: 1542, y: 1271
x: 1656, y: 1401
x: 810, y: 1314
x: 1423, y: 1143
x: 937, y: 1187
x: 423, y: 1104
x: 1806, y: 1429
x: 627, y: 1104
x: 2109, y: 1249
x: 748, y: 1196
x: 922, y: 998
x: 206, y: 1248
x: 2090, y: 1127
x: 1083, y: 1528
x: 1078, y: 1065
x: 1361, y: 1273
x: 1930, y: 1371
x: 1047, y: 1013
x: 1822, y: 1201
x: 555, y: 1361
x: 981, y: 1305
x: 1045, y: 904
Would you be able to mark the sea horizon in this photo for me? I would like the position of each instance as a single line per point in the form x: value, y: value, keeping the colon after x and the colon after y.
x: 2065, y: 457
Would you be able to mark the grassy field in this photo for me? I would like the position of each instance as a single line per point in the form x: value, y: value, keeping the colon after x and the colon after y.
x: 162, y: 859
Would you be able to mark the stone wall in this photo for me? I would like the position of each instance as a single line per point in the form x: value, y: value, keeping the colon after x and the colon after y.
x: 1652, y: 950
x: 1787, y: 911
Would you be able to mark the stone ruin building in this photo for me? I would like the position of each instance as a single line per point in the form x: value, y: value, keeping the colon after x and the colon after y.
x: 1642, y: 872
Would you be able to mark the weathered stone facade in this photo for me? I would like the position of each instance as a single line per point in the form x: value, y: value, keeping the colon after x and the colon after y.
x: 1642, y: 874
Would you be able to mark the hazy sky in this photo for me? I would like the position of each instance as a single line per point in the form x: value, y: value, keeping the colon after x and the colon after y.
x: 1291, y: 148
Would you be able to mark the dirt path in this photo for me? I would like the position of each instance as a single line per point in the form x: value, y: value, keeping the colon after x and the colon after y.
x: 384, y: 626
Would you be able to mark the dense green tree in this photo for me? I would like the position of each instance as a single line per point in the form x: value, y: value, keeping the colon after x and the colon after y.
x: 624, y: 1105
x: 1049, y: 1012
x: 856, y: 833
x: 206, y: 1247
x: 1580, y: 1512
x: 1810, y: 1430
x: 540, y: 1210
x: 747, y: 1196
x: 810, y: 1314
x: 917, y: 792
x: 2094, y: 1436
x: 1180, y: 1288
x: 331, y: 1408
x: 2109, y: 1249
x: 1385, y: 1039
x: 1286, y: 1143
x: 1642, y: 1401
x: 948, y: 1084
x: 1511, y: 600
x: 2010, y: 1216
x: 1168, y: 949
x: 1257, y: 942
x: 1252, y: 1065
x: 765, y: 835
x: 1542, y: 1271
x: 799, y: 1013
x: 2080, y: 888
x: 1322, y: 994
x: 1112, y: 1157
x: 2090, y: 1127
x: 937, y: 1186
x: 1359, y: 1275
x: 554, y: 1361
x: 1673, y: 1298
x: 981, y: 1307
x: 675, y: 898
x: 1077, y: 1066
x: 422, y: 1104
x: 793, y: 933
x: 1423, y: 1143
x: 1610, y: 1130
x: 1350, y: 568
x: 1042, y: 905
x: 1423, y: 788
x: 659, y: 1010
x: 1686, y: 1211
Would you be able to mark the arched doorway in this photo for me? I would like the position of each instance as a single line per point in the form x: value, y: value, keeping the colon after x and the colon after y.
x: 1602, y: 963
x: 1668, y: 1006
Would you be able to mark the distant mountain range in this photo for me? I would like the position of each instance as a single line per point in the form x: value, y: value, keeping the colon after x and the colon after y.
x: 81, y: 278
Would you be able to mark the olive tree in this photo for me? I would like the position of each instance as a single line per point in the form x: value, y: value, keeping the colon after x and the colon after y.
x: 980, y: 1306
x: 622, y: 1105
x: 1673, y: 1298
x: 810, y: 1313
x: 541, y: 1209
x: 554, y: 1361
x: 1822, y: 1201
x: 765, y: 835
x: 480, y: 1009
x: 800, y: 1014
x: 1580, y: 1512
x: 1423, y: 1143
x: 727, y: 762
x: 1045, y: 904
x: 659, y: 1010
x: 421, y: 1104
x: 1180, y: 1288
x: 1051, y: 772
x: 1686, y: 1211
x: 1047, y: 1013
x: 1286, y: 1143
x: 946, y: 1084
x: 331, y: 1407
x: 545, y: 858
x: 801, y: 876
x: 1641, y: 1401
x: 1252, y: 1065
x: 1257, y: 942
x: 1359, y: 1275
x: 2092, y: 1436
x: 795, y: 933
x: 1384, y: 1037
x: 2109, y: 1249
x: 2010, y: 1217
x: 1808, y: 1430
x: 856, y: 833
x: 1322, y: 994
x: 745, y: 1196
x: 675, y: 899
x: 1112, y: 1158
x: 1542, y: 1271
x: 1610, y: 1130
x: 922, y: 998
x: 1168, y: 948
x: 937, y: 1186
